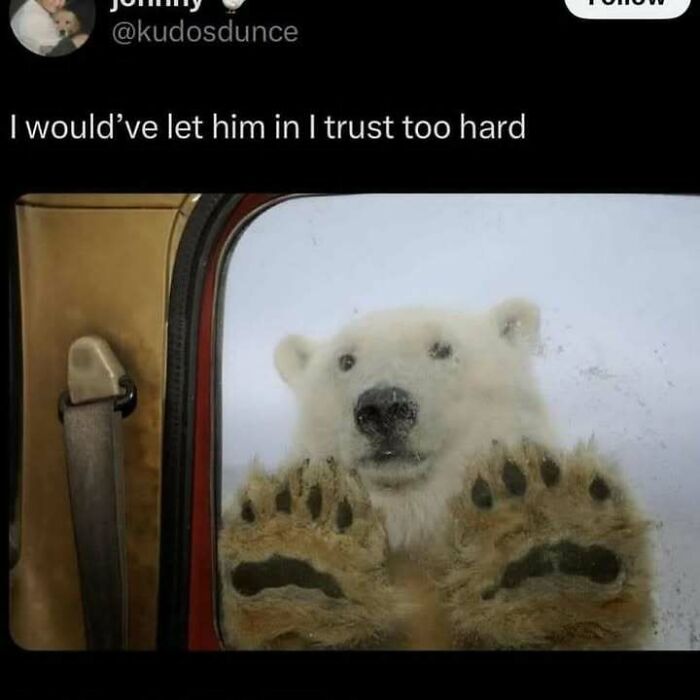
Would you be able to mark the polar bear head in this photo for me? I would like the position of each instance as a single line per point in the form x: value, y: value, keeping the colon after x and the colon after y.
x: 405, y: 394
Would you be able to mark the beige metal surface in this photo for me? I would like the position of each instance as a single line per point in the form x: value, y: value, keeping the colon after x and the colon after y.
x: 90, y: 264
x: 112, y: 201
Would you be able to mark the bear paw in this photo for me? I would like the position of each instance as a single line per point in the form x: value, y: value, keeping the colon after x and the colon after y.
x: 302, y: 560
x: 546, y: 552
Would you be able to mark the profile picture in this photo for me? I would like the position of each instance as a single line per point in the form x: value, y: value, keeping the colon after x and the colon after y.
x: 52, y: 27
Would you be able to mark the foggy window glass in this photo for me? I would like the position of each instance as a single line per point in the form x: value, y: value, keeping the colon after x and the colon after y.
x: 615, y: 358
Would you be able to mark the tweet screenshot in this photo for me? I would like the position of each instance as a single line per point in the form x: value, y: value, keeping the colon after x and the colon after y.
x: 340, y: 333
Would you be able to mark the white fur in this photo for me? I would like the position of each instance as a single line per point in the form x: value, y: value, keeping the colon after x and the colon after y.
x: 67, y: 23
x: 484, y: 391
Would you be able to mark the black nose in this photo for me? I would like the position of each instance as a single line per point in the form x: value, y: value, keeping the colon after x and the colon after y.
x: 385, y: 412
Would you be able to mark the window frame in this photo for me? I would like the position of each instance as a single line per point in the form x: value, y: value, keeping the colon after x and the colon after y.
x: 188, y: 582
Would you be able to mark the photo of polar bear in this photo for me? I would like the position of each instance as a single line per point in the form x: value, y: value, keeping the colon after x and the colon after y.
x: 410, y: 396
x: 424, y: 457
x: 455, y: 422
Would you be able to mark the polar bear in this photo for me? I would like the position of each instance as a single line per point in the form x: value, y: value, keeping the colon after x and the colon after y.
x: 409, y: 396
x: 426, y: 490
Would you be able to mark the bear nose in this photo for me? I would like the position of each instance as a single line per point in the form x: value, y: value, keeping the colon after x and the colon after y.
x: 385, y: 412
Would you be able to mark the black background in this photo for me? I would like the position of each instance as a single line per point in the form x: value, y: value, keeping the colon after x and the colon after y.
x: 611, y: 107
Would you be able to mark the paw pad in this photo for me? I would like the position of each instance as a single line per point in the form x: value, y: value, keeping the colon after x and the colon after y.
x: 514, y: 478
x: 314, y: 501
x: 250, y: 578
x: 481, y: 494
x: 344, y: 515
x: 550, y: 472
x: 598, y: 564
x: 247, y: 512
x: 599, y: 489
x: 283, y: 500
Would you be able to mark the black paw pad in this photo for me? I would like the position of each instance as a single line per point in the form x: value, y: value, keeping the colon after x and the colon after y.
x: 481, y: 494
x: 514, y: 478
x: 537, y: 562
x: 596, y: 563
x: 314, y: 501
x: 283, y: 501
x: 550, y: 472
x: 247, y: 512
x: 249, y: 578
x: 344, y: 515
x: 599, y: 489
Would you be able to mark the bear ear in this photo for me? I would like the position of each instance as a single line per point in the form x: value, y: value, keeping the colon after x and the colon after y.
x: 518, y: 321
x: 292, y: 356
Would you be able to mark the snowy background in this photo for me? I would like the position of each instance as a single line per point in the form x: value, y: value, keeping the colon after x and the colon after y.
x: 618, y: 282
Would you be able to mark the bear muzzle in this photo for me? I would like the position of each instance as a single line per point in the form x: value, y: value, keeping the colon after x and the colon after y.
x: 385, y: 415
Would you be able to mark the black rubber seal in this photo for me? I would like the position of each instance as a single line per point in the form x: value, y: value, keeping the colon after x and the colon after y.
x: 209, y: 217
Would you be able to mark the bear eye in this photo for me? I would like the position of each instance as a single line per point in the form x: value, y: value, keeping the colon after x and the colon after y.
x: 346, y: 362
x: 440, y: 351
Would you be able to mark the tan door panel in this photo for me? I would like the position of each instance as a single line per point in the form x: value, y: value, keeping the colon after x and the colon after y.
x: 86, y: 271
x: 102, y: 201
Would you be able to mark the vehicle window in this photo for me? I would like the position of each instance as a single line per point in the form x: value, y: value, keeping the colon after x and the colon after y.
x: 461, y: 421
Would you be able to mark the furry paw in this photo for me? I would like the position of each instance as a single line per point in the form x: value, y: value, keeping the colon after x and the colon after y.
x: 302, y: 563
x: 546, y: 552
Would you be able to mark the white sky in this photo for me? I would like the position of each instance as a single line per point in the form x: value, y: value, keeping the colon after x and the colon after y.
x: 617, y: 278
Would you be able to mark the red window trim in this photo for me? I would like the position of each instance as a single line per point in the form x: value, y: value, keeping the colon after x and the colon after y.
x: 202, y: 627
